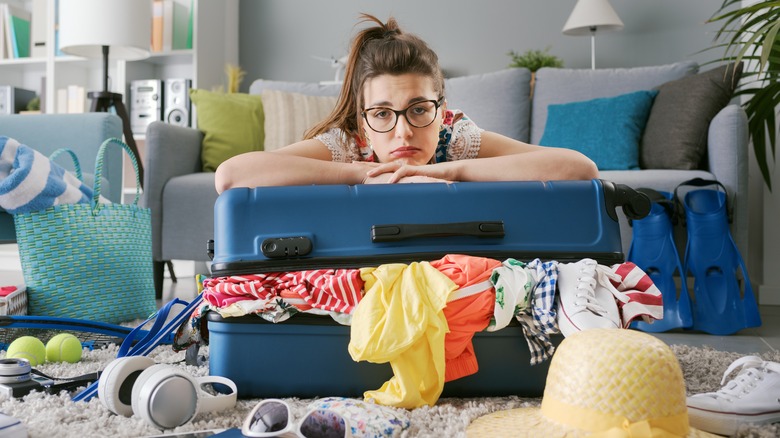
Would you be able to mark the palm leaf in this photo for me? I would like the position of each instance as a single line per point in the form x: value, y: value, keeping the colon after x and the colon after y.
x: 749, y: 34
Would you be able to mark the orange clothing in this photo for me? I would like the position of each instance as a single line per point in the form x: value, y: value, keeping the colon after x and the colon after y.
x: 467, y: 314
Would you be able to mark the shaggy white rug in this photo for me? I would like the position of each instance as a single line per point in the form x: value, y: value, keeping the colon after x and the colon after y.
x: 58, y: 416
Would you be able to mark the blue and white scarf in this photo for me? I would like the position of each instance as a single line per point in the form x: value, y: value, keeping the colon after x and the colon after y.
x: 29, y: 181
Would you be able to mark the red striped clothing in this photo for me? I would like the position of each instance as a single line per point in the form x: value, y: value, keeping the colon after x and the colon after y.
x: 332, y: 290
x: 644, y: 297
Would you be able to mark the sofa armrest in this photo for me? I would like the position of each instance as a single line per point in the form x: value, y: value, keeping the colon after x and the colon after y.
x: 171, y: 151
x: 727, y: 152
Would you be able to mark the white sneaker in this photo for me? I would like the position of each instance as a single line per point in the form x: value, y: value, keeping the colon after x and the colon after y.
x: 585, y: 297
x: 752, y: 397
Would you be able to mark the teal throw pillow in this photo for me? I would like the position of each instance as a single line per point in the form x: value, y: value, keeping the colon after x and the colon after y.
x: 607, y: 130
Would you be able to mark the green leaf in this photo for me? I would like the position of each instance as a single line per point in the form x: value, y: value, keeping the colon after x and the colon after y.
x: 749, y: 34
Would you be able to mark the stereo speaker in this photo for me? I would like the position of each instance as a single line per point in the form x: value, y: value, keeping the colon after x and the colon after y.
x: 177, y: 102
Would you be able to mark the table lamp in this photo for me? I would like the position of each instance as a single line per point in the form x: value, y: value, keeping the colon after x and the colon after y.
x: 589, y: 16
x: 111, y: 29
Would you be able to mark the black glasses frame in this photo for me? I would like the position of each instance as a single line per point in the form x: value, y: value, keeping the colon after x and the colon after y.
x: 399, y: 113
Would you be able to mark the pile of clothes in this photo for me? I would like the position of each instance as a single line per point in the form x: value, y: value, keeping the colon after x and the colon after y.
x: 421, y: 317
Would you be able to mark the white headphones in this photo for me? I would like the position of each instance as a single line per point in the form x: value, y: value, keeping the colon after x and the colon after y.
x: 163, y: 395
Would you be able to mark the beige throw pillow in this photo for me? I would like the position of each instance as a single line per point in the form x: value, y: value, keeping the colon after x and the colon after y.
x: 289, y: 115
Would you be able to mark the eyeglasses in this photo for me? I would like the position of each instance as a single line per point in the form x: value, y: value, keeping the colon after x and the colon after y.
x: 419, y: 114
x: 273, y: 418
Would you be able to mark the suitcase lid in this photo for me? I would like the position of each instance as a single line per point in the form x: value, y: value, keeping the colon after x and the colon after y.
x: 268, y: 229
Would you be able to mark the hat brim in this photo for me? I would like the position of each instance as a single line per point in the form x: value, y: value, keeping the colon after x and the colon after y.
x: 529, y: 422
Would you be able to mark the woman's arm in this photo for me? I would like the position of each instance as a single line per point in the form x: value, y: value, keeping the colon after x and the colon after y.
x: 503, y: 159
x: 303, y: 163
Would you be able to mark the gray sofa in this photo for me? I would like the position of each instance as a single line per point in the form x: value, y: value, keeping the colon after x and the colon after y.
x: 181, y: 196
x: 82, y: 133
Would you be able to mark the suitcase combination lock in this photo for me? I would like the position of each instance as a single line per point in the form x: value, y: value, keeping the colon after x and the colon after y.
x: 285, y: 247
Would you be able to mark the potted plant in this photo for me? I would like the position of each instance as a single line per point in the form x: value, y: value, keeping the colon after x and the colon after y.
x: 534, y: 60
x: 750, y: 33
x: 33, y: 106
x: 235, y: 75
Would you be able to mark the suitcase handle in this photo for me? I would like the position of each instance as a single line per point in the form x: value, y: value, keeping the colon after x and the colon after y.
x: 396, y: 232
x: 635, y: 204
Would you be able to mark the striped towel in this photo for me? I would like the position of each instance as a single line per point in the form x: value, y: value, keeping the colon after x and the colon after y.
x: 30, y: 181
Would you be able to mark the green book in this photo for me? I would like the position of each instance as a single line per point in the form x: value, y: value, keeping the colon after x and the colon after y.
x: 21, y: 37
x: 189, y: 28
x: 17, y: 22
x: 181, y: 21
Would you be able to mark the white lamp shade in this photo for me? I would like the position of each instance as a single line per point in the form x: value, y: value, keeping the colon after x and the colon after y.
x: 589, y: 14
x: 85, y: 26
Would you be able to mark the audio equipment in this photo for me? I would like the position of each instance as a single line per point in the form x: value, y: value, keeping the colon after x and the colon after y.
x: 14, y: 370
x: 17, y: 380
x: 178, y: 109
x: 165, y: 396
x: 146, y: 104
x: 14, y: 99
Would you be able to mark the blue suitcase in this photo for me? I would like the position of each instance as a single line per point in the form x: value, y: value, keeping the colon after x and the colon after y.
x: 272, y: 229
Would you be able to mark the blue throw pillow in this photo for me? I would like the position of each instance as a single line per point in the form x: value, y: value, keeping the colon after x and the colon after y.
x: 607, y: 130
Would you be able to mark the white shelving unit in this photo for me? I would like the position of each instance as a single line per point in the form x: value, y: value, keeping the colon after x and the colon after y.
x: 215, y: 44
x: 214, y: 41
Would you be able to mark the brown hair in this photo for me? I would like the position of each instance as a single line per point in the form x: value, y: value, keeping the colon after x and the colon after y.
x: 377, y: 50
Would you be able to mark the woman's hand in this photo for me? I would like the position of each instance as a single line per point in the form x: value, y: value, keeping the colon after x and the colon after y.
x: 399, y: 172
x: 385, y: 179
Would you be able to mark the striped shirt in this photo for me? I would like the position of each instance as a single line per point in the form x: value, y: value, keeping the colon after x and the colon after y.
x: 332, y: 290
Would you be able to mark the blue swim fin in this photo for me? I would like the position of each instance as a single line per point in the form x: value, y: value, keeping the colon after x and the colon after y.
x: 653, y: 250
x: 712, y: 258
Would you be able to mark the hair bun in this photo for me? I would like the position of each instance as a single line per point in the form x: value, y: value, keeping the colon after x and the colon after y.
x: 391, y: 32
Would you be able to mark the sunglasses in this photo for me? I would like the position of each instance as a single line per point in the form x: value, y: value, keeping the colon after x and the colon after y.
x: 273, y: 418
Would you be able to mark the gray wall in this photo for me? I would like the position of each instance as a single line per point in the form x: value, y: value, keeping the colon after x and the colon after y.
x: 279, y: 37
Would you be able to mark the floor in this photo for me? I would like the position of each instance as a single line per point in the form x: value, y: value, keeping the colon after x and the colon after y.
x: 754, y: 340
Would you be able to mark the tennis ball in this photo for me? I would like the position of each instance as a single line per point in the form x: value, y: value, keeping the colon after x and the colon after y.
x: 63, y: 348
x: 27, y: 347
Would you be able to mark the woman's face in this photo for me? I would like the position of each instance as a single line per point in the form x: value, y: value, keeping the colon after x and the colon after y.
x: 404, y: 141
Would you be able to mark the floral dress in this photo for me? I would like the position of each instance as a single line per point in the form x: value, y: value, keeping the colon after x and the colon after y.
x: 459, y: 139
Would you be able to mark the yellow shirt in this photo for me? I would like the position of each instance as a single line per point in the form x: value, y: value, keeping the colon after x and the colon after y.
x: 400, y: 320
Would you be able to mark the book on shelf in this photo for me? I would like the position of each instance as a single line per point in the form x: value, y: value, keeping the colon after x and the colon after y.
x: 38, y: 33
x: 167, y: 30
x: 17, y: 31
x: 71, y: 99
x: 3, y: 46
x: 62, y: 101
x: 77, y: 98
x: 180, y: 25
x: 157, y: 25
x: 171, y: 25
x: 189, y: 25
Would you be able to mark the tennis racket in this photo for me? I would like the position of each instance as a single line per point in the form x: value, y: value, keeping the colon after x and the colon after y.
x: 92, y: 334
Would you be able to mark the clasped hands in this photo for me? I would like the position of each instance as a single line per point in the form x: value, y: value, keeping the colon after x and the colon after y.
x: 400, y: 172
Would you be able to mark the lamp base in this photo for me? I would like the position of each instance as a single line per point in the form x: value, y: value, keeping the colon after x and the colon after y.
x: 102, y: 101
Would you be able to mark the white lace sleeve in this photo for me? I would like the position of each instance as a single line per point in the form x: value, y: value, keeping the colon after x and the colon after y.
x: 342, y: 149
x: 466, y: 140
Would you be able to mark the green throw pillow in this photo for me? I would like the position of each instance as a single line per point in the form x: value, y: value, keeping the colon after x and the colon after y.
x: 607, y: 130
x: 232, y: 123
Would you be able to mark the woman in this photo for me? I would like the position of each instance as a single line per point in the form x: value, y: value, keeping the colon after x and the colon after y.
x: 391, y: 124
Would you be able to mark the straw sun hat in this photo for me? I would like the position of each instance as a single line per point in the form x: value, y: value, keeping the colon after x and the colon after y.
x: 603, y: 383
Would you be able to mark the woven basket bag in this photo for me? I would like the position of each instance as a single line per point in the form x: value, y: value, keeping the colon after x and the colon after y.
x: 89, y: 260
